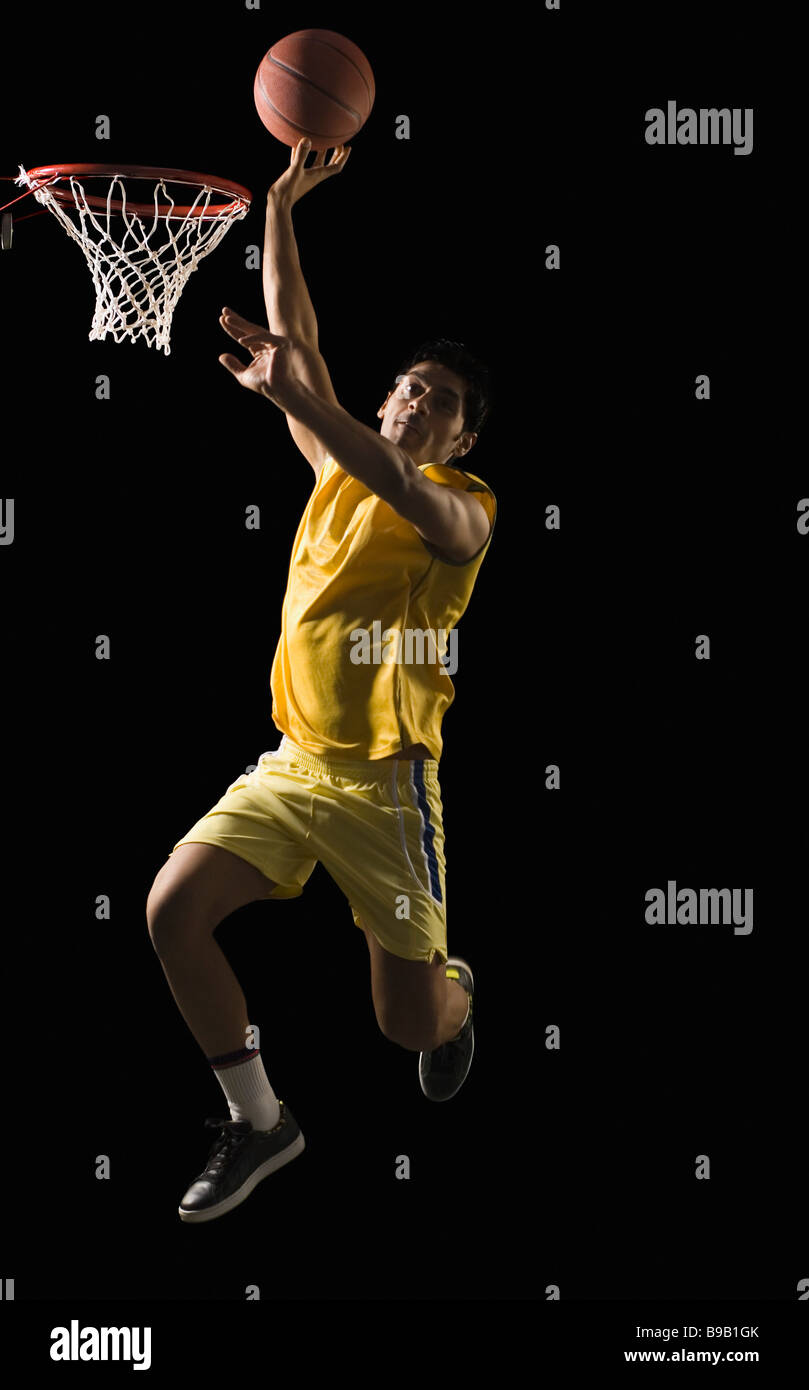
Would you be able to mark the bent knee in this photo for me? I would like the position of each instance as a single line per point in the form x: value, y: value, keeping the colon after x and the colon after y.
x: 174, y: 915
x: 162, y: 916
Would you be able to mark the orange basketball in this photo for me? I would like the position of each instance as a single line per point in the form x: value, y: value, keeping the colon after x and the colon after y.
x: 314, y: 83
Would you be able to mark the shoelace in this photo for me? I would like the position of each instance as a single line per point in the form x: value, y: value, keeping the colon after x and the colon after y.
x: 231, y: 1135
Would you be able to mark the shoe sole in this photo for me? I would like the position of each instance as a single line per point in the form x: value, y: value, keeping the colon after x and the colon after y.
x: 270, y: 1165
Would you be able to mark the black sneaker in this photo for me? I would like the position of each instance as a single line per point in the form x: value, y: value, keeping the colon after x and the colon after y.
x: 443, y: 1071
x: 240, y: 1158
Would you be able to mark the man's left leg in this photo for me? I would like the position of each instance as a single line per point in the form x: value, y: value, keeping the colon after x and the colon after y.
x: 416, y: 1005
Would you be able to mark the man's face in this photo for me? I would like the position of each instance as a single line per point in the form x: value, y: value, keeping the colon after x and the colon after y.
x: 424, y: 414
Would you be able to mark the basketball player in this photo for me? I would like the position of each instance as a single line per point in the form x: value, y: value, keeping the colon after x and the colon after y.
x: 391, y: 540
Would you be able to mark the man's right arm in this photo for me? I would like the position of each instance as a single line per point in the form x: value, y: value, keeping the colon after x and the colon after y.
x: 290, y: 312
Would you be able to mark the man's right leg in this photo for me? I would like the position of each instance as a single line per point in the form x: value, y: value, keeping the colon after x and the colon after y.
x: 197, y: 887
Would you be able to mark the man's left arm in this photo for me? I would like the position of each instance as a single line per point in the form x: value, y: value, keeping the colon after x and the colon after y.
x: 451, y: 520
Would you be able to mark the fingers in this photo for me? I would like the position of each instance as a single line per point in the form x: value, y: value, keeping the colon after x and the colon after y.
x: 339, y: 156
x: 249, y: 335
x: 233, y: 317
x: 233, y: 364
x: 229, y: 327
x: 255, y: 346
x: 238, y: 329
x: 234, y: 323
x: 339, y: 159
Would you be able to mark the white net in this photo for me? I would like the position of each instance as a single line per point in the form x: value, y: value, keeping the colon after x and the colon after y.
x: 139, y: 276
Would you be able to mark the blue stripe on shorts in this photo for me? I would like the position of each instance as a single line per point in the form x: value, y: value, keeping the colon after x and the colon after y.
x: 429, y: 830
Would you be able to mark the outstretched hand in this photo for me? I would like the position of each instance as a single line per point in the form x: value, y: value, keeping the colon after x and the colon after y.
x: 269, y: 372
x: 297, y: 180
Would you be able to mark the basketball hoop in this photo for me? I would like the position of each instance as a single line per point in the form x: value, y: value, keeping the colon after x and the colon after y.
x: 140, y: 254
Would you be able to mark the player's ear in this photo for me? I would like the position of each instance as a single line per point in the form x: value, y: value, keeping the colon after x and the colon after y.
x: 381, y: 411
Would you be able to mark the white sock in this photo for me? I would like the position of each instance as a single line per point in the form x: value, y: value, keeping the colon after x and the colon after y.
x: 248, y: 1092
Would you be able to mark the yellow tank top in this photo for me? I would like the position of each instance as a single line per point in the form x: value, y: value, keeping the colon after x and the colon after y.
x: 367, y: 649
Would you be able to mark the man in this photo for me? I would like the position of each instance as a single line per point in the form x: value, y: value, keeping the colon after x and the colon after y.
x: 383, y: 553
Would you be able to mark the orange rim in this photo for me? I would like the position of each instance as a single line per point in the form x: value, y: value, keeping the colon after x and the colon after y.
x: 48, y: 174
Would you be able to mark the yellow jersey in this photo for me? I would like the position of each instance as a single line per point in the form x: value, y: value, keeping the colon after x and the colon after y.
x: 368, y: 642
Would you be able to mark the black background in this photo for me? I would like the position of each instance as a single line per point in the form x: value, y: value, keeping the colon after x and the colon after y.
x: 678, y: 517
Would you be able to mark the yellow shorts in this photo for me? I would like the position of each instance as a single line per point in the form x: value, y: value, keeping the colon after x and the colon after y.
x: 376, y: 827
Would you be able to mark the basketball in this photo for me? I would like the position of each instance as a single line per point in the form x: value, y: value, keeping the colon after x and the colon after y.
x: 316, y: 84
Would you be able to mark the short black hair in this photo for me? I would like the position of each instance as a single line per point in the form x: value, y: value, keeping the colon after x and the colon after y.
x: 458, y: 358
